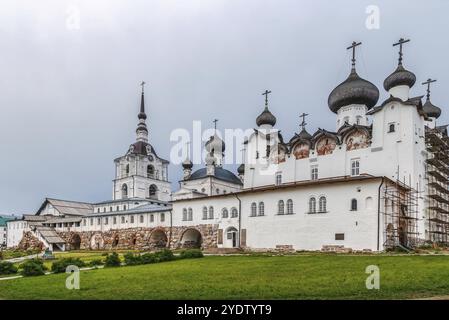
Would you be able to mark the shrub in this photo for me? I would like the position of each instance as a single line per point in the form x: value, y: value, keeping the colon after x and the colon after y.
x: 132, y: 259
x: 61, y: 265
x: 148, y: 258
x: 191, y: 254
x: 33, y: 267
x: 96, y: 262
x: 7, y: 268
x: 164, y: 255
x: 112, y: 260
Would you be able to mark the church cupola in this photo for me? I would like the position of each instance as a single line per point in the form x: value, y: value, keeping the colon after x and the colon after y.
x: 399, y: 83
x: 215, y: 147
x: 187, y: 166
x: 266, y: 119
x: 142, y: 131
x: 429, y: 109
x: 352, y: 98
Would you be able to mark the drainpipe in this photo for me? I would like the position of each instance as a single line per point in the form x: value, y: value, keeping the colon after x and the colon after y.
x: 240, y: 219
x: 378, y: 214
x: 171, y: 226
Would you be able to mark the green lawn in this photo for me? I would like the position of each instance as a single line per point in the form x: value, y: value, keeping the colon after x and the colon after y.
x: 248, y: 277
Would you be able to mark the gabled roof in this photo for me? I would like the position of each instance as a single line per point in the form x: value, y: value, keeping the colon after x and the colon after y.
x: 415, y: 101
x: 65, y: 207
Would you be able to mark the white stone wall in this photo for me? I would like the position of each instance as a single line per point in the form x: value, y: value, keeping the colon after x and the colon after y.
x: 15, y: 232
x: 3, y: 235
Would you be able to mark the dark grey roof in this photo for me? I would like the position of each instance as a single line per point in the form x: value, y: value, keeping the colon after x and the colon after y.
x: 354, y: 90
x: 140, y: 148
x: 400, y: 77
x: 241, y: 169
x: 187, y: 164
x: 266, y: 117
x: 220, y: 174
x: 431, y: 110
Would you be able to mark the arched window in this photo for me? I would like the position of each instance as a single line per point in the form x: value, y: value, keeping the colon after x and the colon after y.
x: 153, y: 191
x: 151, y: 217
x: 204, y: 213
x: 184, y: 214
x: 124, y: 191
x: 261, y: 208
x: 211, y: 212
x: 253, y: 209
x: 127, y: 169
x: 289, y: 206
x: 354, y: 205
x: 358, y: 119
x: 281, y: 207
x: 141, y: 219
x: 391, y: 127
x: 224, y: 213
x: 322, y: 204
x: 122, y: 219
x: 132, y: 219
x: 190, y: 215
x: 312, y: 205
x: 150, y: 171
x: 234, y: 213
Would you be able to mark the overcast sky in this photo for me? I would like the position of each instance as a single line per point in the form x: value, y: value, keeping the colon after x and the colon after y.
x: 70, y: 74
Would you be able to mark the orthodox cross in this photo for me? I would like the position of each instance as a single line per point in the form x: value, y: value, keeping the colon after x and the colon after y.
x: 266, y: 93
x: 142, y: 84
x: 400, y: 43
x: 353, y: 46
x: 215, y: 124
x: 303, y: 123
x: 428, y: 82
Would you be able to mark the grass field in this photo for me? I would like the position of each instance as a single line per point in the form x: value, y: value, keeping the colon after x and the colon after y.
x: 248, y: 277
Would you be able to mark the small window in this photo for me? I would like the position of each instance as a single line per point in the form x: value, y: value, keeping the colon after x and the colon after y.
x: 98, y: 210
x: 278, y: 179
x: 253, y: 209
x: 354, y: 205
x: 184, y: 214
x: 162, y: 217
x: 190, y: 215
x: 391, y: 128
x: 234, y: 213
x: 150, y: 171
x: 289, y: 206
x: 312, y: 205
x: 322, y: 204
x: 151, y: 217
x: 114, y: 220
x: 358, y: 120
x: 204, y: 213
x: 355, y: 167
x: 106, y: 220
x: 122, y: 220
x: 110, y: 209
x: 132, y: 219
x: 281, y: 207
x: 225, y: 213
x: 261, y: 209
x: 339, y: 236
x: 84, y: 222
x: 118, y: 208
x: 98, y: 221
x: 217, y: 191
x: 314, y: 173
x: 124, y: 207
x: 141, y: 219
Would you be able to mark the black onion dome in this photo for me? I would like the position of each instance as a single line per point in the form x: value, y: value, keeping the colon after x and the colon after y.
x: 354, y: 90
x: 241, y: 169
x: 266, y: 117
x: 400, y: 77
x: 215, y: 144
x: 430, y: 110
x: 187, y: 164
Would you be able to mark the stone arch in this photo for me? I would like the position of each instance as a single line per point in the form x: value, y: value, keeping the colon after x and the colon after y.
x: 115, y: 240
x: 75, y: 242
x: 158, y: 239
x: 191, y: 238
x: 96, y: 242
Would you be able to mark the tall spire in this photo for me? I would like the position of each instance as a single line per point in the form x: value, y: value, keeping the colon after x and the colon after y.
x: 142, y: 131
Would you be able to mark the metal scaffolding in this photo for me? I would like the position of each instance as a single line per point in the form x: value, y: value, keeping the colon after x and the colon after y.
x: 437, y: 173
x: 400, y: 215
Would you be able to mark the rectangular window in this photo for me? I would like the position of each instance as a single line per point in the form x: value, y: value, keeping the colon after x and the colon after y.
x: 141, y: 219
x: 123, y: 219
x: 114, y: 221
x: 99, y: 221
x: 314, y: 173
x: 162, y: 217
x: 91, y: 221
x: 132, y: 219
x: 339, y: 236
x: 84, y: 222
x: 355, y: 167
x: 106, y: 220
x: 151, y: 217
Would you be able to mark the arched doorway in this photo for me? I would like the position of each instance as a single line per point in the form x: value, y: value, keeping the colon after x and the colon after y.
x: 158, y: 239
x: 75, y: 242
x: 96, y: 242
x: 232, y: 240
x: 191, y: 238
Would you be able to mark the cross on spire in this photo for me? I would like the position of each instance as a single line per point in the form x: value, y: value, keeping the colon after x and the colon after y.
x: 215, y: 124
x: 353, y: 46
x: 266, y: 93
x: 400, y: 44
x: 428, y: 82
x: 142, y: 84
x: 303, y: 123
